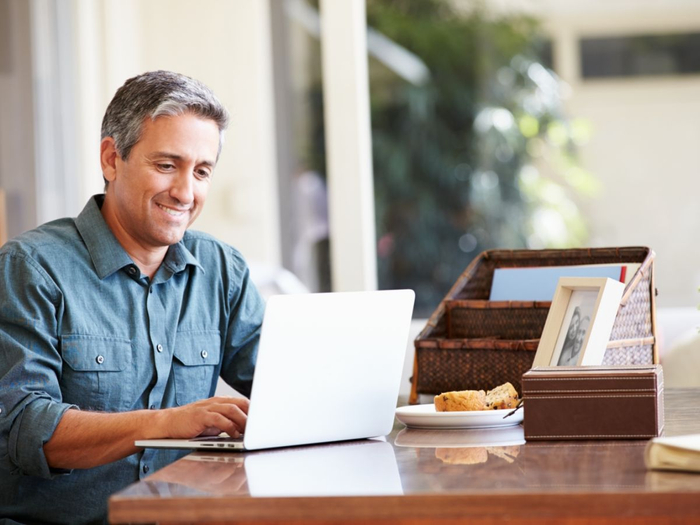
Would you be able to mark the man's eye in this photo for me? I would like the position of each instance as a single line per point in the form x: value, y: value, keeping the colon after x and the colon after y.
x: 202, y: 174
x: 166, y: 166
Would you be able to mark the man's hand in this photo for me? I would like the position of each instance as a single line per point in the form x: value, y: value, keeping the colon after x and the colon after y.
x: 89, y: 439
x: 208, y: 417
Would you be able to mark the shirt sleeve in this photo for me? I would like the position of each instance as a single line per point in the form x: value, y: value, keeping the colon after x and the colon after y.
x: 30, y: 365
x: 246, y: 309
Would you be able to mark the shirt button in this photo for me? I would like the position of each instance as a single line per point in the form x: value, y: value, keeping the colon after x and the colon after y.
x: 100, y: 359
x: 204, y: 354
x: 159, y: 348
x: 150, y: 290
x: 152, y: 407
x: 146, y: 468
x: 132, y: 270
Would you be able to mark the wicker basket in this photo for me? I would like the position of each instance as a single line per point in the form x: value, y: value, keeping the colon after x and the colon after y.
x: 470, y: 342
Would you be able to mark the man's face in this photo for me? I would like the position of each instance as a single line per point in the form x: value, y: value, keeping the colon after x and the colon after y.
x: 155, y: 195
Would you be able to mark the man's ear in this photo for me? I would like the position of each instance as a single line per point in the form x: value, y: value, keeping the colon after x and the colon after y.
x: 108, y: 159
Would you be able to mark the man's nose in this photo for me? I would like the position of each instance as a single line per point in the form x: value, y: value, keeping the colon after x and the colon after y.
x: 183, y: 187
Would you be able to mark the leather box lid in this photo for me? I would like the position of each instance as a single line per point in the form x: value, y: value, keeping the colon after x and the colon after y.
x: 578, y: 379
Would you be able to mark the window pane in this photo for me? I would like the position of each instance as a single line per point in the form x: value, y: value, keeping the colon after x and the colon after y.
x: 462, y: 119
x: 672, y: 54
x: 302, y: 163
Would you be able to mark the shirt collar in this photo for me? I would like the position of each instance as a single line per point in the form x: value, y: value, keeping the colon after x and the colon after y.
x: 178, y: 257
x: 107, y: 254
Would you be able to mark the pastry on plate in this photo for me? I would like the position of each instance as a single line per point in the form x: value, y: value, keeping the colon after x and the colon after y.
x: 503, y: 396
x: 464, y: 400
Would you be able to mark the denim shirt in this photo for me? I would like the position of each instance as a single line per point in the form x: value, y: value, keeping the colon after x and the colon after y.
x: 81, y: 327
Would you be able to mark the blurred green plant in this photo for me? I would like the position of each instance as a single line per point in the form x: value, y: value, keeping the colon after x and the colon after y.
x: 480, y: 155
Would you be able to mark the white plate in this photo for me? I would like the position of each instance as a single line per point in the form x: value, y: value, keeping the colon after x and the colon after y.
x: 425, y: 416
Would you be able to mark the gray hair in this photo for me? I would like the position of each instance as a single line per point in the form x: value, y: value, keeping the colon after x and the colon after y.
x: 158, y: 94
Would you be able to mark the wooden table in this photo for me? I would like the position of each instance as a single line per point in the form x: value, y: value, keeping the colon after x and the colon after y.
x: 421, y: 477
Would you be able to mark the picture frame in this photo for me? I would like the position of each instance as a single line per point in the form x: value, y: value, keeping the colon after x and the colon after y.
x: 579, y: 322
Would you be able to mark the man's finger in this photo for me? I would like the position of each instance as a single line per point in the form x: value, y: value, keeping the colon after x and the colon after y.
x: 241, y: 402
x: 233, y: 413
x: 217, y: 420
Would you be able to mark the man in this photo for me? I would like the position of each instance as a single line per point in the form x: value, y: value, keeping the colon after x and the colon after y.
x: 114, y: 326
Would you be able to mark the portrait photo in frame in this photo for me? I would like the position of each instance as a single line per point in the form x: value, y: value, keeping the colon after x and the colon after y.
x: 579, y: 322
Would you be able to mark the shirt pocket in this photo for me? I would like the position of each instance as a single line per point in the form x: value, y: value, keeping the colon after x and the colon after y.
x: 195, y: 365
x: 97, y: 373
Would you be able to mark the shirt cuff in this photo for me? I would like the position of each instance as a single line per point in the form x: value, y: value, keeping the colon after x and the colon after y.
x: 32, y: 428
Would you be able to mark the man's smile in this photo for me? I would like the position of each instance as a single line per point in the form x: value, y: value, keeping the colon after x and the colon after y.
x: 172, y: 211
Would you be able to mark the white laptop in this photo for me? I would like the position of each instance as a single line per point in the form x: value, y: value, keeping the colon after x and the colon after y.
x: 329, y: 367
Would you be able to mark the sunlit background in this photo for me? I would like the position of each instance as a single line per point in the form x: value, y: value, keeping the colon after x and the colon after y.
x: 496, y: 124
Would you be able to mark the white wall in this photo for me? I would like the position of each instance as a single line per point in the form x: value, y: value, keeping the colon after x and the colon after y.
x: 91, y: 93
x: 17, y: 116
x: 644, y: 151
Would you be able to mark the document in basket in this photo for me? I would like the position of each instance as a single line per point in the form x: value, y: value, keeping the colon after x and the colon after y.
x: 540, y: 283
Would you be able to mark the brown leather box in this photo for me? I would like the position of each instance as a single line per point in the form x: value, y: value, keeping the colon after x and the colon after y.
x: 593, y: 402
